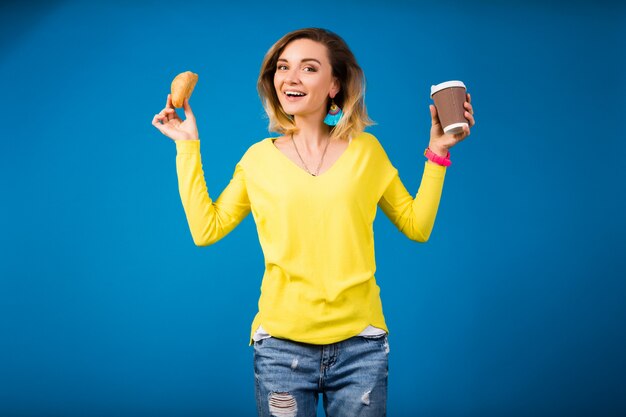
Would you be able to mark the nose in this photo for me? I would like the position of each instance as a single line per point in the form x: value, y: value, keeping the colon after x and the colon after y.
x: 291, y: 76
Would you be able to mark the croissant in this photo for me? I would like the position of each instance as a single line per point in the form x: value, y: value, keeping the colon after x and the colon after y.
x: 182, y: 87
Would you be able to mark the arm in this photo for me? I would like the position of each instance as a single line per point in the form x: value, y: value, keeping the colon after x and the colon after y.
x: 209, y: 220
x: 415, y: 217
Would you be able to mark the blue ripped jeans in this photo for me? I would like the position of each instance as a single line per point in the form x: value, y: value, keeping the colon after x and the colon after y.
x: 351, y: 375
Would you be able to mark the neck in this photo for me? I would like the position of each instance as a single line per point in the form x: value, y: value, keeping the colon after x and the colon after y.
x: 312, y: 133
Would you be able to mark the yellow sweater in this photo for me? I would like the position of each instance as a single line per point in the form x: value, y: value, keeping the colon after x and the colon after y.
x: 316, y: 233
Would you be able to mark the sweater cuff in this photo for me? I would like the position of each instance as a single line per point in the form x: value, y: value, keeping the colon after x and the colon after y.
x: 434, y: 170
x: 187, y: 146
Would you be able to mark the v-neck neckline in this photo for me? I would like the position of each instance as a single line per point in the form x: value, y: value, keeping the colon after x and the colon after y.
x: 301, y: 169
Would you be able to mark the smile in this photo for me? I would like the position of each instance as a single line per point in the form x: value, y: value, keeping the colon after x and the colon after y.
x: 294, y: 93
x: 293, y: 96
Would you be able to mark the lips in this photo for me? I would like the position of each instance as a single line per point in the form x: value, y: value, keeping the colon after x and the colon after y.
x: 293, y: 95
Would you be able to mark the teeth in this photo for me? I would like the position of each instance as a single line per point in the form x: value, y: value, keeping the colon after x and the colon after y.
x: 294, y: 93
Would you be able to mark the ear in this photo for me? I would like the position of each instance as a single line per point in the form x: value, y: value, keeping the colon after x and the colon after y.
x: 334, y: 88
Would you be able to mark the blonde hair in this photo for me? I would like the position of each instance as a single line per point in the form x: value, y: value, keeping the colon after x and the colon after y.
x: 350, y: 97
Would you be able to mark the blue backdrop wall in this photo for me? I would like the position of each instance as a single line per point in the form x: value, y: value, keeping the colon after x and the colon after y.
x: 514, y: 307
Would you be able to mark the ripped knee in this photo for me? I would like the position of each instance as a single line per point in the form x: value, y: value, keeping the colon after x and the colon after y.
x: 282, y: 404
x: 365, y: 398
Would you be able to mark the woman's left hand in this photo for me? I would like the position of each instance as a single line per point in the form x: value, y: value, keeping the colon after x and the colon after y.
x: 441, y: 142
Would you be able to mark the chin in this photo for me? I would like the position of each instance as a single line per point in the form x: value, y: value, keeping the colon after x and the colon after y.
x: 297, y: 110
x: 291, y: 106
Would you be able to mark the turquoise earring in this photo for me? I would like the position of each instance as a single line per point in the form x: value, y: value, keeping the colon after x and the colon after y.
x: 334, y: 114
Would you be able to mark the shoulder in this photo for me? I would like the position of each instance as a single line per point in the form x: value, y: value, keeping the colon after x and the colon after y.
x: 257, y: 150
x: 369, y: 142
x: 373, y: 151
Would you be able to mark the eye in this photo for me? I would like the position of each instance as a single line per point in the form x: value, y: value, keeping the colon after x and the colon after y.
x: 310, y: 69
x: 281, y: 67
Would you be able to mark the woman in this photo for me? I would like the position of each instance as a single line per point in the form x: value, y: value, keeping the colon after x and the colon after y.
x: 313, y: 192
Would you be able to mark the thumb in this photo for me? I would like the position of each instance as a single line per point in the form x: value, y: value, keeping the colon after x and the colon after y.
x: 433, y: 115
x: 187, y: 107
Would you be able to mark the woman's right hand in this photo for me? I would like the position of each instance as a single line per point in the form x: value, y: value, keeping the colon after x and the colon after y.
x: 172, y: 126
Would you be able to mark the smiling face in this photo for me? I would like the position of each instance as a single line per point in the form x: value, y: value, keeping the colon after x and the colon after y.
x: 303, y: 79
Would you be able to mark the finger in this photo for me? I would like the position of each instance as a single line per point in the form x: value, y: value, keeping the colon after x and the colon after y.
x: 163, y: 116
x: 160, y: 123
x: 166, y: 115
x: 188, y: 111
x: 156, y: 122
x: 158, y: 117
x: 433, y: 115
x: 171, y: 113
x: 469, y: 107
x: 469, y: 98
x: 470, y: 118
x: 458, y: 137
x: 168, y: 103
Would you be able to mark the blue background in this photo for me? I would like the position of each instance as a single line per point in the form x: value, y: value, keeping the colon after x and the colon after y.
x: 514, y: 307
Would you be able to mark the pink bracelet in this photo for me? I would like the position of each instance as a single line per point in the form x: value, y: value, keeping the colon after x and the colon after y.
x: 439, y: 160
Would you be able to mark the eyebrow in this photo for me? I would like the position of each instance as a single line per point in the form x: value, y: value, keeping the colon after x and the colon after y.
x: 304, y: 60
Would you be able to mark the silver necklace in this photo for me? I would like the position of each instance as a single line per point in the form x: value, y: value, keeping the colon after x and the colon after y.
x: 300, y: 156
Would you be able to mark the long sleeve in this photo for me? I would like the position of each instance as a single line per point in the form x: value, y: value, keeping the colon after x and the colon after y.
x: 209, y: 220
x: 415, y: 217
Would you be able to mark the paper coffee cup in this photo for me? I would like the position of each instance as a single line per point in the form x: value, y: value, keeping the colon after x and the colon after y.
x: 449, y: 97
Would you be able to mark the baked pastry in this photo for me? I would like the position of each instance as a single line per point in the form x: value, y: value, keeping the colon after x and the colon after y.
x: 182, y: 87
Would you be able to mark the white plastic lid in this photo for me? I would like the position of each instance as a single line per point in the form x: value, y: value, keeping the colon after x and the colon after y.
x: 447, y: 84
x: 455, y: 128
